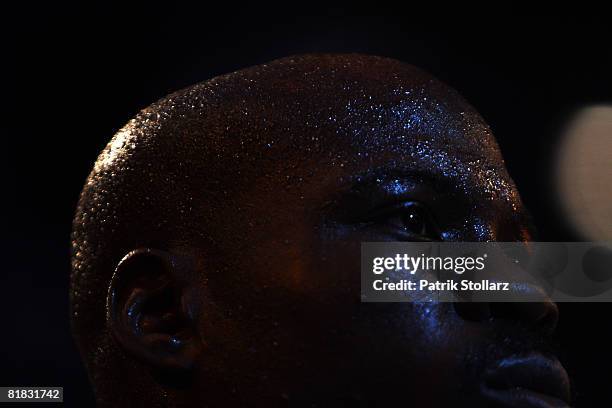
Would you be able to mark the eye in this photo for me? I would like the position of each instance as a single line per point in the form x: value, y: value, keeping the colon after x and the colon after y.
x: 409, y: 220
x: 414, y: 219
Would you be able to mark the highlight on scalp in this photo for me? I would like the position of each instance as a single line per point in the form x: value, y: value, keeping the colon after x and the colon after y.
x: 222, y: 136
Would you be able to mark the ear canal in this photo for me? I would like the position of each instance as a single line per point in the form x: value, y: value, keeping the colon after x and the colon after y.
x: 147, y: 312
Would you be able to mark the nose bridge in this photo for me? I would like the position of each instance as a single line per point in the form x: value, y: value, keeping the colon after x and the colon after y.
x: 505, y: 262
x: 509, y: 262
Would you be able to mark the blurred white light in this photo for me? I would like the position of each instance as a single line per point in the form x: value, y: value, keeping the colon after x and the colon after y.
x: 584, y: 172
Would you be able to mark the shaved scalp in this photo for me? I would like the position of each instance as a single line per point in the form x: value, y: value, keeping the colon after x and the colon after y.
x: 165, y: 179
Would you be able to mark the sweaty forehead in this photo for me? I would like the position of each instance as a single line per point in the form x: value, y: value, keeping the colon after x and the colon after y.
x: 351, y: 112
x: 370, y: 102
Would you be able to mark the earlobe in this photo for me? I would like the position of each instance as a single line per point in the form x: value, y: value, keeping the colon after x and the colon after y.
x: 149, y: 312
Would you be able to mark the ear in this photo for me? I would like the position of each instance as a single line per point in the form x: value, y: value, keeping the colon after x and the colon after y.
x: 150, y: 313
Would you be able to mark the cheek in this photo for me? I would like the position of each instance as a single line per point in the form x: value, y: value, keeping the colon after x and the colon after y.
x: 338, y: 265
x: 318, y: 275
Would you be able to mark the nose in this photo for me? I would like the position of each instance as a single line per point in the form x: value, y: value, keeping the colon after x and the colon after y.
x: 540, y: 313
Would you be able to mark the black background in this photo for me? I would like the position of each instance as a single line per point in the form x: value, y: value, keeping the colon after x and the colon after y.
x: 74, y: 76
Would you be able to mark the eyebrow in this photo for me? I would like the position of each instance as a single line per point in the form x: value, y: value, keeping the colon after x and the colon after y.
x: 443, y: 183
x: 477, y: 178
x: 385, y: 175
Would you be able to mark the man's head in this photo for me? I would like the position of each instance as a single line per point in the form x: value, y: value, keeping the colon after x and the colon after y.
x: 216, y: 244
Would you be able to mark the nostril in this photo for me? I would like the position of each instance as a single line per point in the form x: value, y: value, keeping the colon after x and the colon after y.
x: 544, y: 315
x: 541, y: 315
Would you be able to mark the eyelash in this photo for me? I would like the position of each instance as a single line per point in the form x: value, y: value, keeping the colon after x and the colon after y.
x: 399, y: 217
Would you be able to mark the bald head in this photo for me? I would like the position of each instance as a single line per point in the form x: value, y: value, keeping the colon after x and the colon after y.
x: 255, y: 177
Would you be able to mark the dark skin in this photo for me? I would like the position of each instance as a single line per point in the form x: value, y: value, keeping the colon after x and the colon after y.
x: 216, y: 247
